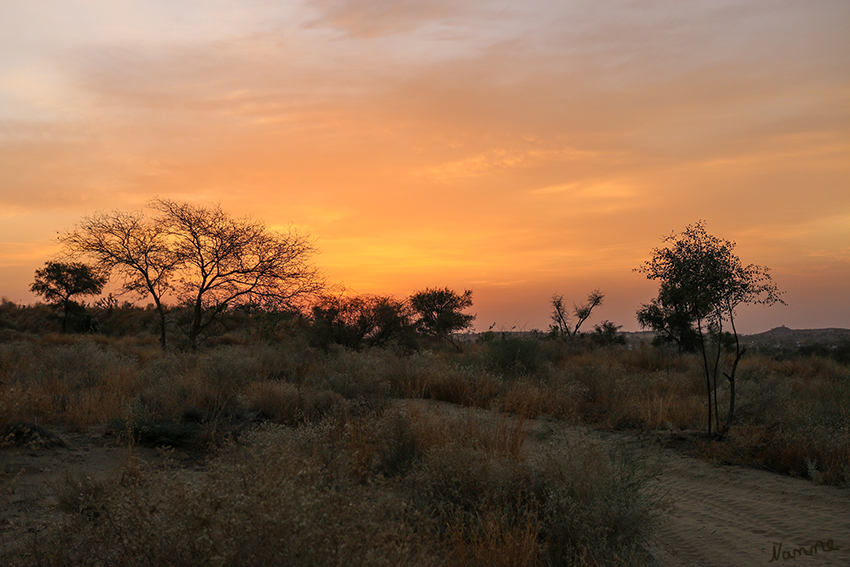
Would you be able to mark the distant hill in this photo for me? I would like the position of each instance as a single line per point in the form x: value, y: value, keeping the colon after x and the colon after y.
x: 785, y: 337
x: 782, y: 337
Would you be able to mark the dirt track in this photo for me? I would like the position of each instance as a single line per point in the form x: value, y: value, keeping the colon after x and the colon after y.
x: 722, y: 516
x: 726, y: 516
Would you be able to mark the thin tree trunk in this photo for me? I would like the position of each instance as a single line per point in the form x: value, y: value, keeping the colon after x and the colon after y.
x: 196, y: 325
x: 161, y: 310
x: 714, y: 376
x: 707, y: 372
x: 65, y: 304
x: 739, y: 352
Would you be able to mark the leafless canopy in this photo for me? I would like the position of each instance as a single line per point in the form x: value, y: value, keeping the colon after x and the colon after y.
x: 208, y: 260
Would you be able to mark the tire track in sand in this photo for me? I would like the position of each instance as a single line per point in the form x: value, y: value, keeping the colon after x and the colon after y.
x: 727, y: 515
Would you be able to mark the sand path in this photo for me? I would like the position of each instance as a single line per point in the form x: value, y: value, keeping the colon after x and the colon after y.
x: 726, y: 516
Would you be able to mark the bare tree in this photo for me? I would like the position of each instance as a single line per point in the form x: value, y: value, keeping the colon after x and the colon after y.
x: 563, y: 324
x: 225, y: 262
x: 135, y: 247
x: 209, y: 260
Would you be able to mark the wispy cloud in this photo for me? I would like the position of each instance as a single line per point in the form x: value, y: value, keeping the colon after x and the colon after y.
x: 498, y: 143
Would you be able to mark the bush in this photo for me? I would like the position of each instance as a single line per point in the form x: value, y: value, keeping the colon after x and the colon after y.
x: 514, y: 357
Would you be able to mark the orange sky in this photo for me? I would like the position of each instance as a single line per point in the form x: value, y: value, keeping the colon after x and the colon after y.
x: 514, y: 148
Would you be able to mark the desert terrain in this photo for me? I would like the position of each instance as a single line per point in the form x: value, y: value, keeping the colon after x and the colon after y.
x: 717, y: 515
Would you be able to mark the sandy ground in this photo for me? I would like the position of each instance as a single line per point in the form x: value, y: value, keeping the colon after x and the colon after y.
x: 725, y: 516
x: 721, y: 515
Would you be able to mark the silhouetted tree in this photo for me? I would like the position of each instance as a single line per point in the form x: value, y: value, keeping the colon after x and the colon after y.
x: 440, y: 312
x: 607, y: 334
x: 702, y: 283
x: 58, y: 282
x: 224, y: 262
x: 209, y: 260
x: 136, y: 247
x: 669, y: 318
x: 564, y: 327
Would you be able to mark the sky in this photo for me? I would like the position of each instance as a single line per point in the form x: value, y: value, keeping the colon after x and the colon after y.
x: 514, y: 148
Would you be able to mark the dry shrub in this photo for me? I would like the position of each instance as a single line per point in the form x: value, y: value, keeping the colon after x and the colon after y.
x: 576, y: 505
x: 466, y: 386
x: 534, y: 398
x: 75, y: 385
x: 290, y: 361
x: 275, y: 401
x: 265, y: 505
x: 364, y: 486
x: 352, y: 374
x: 495, y: 543
x: 793, y: 418
x: 432, y: 429
x: 598, y: 506
x: 657, y: 400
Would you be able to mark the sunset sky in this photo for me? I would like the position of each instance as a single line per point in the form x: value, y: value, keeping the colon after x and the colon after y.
x: 516, y: 148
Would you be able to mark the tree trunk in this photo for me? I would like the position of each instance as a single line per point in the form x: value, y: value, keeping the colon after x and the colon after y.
x: 707, y: 372
x: 739, y: 352
x: 161, y: 325
x: 66, y: 304
x: 195, y: 330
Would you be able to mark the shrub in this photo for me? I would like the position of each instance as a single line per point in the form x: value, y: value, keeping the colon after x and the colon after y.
x: 514, y: 357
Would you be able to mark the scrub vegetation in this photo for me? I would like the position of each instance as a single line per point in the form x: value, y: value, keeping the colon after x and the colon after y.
x: 308, y: 452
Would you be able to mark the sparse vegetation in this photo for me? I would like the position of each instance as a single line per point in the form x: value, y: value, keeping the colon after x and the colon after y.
x: 374, y: 477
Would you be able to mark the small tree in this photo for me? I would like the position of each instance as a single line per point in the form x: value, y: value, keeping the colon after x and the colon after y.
x: 563, y: 324
x: 440, y: 312
x: 702, y: 284
x: 58, y: 282
x: 607, y: 334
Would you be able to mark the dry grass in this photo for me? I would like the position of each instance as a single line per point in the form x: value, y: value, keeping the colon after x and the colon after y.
x: 360, y: 479
x: 360, y: 487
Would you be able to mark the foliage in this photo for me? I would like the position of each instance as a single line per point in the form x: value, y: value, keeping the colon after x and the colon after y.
x: 449, y: 485
x: 514, y: 356
x: 400, y: 486
x: 440, y: 312
x: 702, y: 282
x: 563, y: 326
x: 58, y: 282
x: 669, y: 318
x: 606, y: 334
x: 358, y: 321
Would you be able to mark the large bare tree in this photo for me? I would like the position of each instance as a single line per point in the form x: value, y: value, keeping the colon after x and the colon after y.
x: 135, y: 247
x: 208, y: 260
x: 225, y: 261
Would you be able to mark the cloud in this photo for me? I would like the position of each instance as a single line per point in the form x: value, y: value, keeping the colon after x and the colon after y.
x: 367, y: 19
x: 439, y: 140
